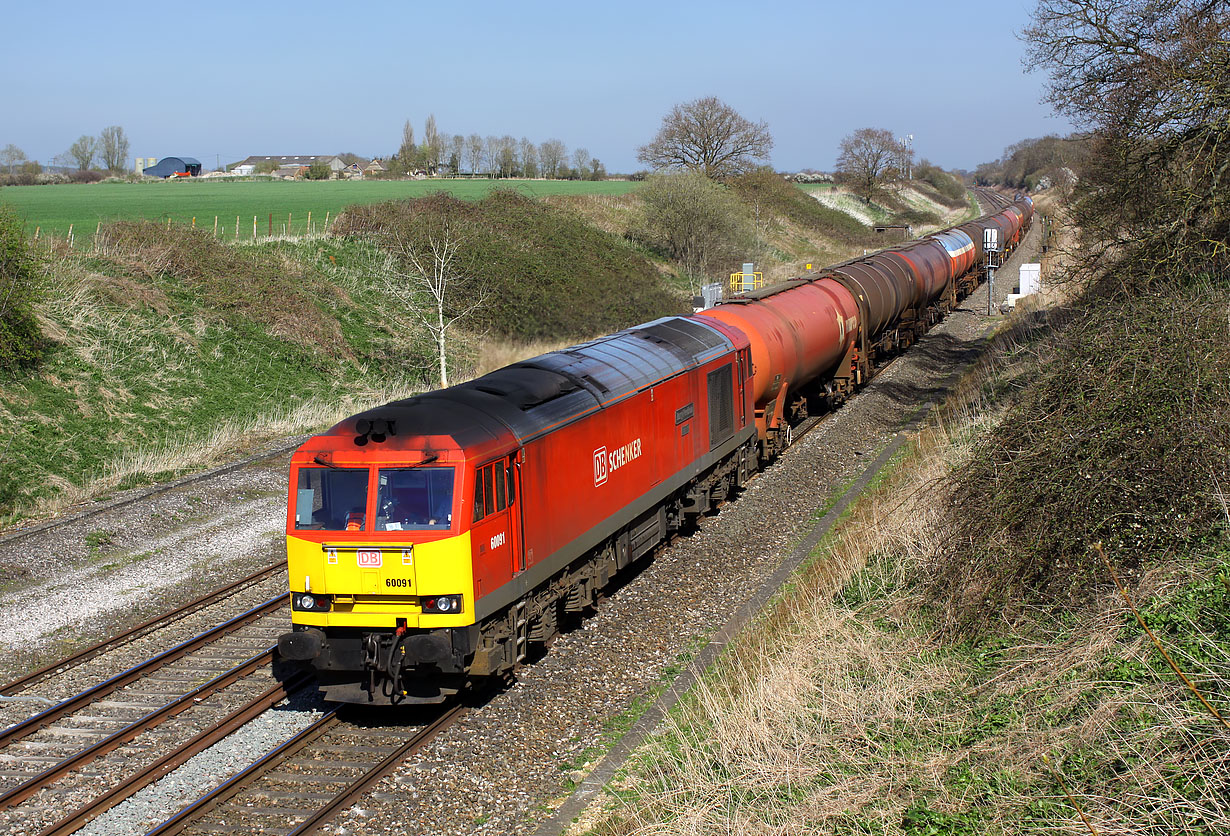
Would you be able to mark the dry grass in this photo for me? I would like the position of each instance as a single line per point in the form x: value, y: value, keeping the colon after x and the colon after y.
x: 226, y: 442
x: 496, y: 354
x: 845, y: 710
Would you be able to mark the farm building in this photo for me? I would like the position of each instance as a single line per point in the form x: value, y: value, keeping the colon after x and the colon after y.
x: 375, y: 168
x: 174, y: 167
x: 249, y: 165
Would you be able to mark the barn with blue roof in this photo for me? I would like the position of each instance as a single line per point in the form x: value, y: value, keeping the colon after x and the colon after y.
x: 175, y: 167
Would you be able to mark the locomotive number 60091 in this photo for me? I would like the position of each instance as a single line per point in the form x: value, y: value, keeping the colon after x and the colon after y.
x: 396, y: 582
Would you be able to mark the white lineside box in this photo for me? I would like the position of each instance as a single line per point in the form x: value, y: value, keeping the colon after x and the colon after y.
x: 1030, y: 279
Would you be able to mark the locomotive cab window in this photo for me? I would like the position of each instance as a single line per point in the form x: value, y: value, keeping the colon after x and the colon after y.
x: 330, y: 499
x: 493, y: 489
x: 419, y: 499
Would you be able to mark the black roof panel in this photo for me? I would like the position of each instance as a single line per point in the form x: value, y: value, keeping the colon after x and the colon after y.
x: 540, y: 394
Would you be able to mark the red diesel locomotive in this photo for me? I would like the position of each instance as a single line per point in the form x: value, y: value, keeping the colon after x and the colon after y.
x: 430, y: 540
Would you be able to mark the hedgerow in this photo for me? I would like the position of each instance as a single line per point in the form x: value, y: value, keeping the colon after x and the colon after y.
x: 21, y: 341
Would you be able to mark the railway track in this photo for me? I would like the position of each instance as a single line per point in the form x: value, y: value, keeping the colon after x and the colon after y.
x: 115, y: 642
x: 104, y: 735
x: 310, y: 778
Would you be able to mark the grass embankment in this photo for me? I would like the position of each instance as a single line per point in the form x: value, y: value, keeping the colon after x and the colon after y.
x: 958, y: 659
x: 546, y: 274
x: 54, y: 208
x: 168, y: 350
x: 842, y: 223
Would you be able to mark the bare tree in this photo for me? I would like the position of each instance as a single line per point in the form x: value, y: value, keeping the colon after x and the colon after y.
x: 1150, y: 79
x: 491, y: 154
x: 457, y: 150
x: 551, y: 156
x: 507, y: 156
x: 407, y: 152
x: 474, y: 152
x: 11, y: 155
x: 113, y: 145
x: 708, y: 136
x: 83, y: 151
x: 580, y: 162
x: 529, y: 158
x: 697, y: 222
x: 427, y: 268
x: 432, y: 145
x: 868, y: 160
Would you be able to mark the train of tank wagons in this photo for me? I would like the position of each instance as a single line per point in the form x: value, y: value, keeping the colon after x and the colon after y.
x: 434, y: 541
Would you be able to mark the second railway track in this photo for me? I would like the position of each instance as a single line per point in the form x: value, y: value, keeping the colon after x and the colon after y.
x: 101, y: 736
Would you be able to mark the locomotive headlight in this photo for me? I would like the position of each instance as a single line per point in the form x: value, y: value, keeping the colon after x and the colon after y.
x: 307, y: 602
x: 441, y: 603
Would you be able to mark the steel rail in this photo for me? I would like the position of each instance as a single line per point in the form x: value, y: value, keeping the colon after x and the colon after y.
x: 390, y: 762
x: 239, y: 780
x: 173, y: 760
x: 236, y: 783
x: 180, y: 704
x: 7, y: 537
x: 67, y: 706
x: 130, y: 634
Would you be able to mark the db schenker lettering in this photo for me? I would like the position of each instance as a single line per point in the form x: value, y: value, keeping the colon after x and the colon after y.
x: 621, y: 456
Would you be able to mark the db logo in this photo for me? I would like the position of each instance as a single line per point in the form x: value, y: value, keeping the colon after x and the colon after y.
x: 600, y: 466
x: 369, y: 559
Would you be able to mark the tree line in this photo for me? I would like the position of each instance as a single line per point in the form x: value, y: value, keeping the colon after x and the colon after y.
x: 110, y: 149
x: 442, y: 154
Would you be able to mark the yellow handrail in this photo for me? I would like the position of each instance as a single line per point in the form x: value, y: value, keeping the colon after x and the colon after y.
x: 743, y: 282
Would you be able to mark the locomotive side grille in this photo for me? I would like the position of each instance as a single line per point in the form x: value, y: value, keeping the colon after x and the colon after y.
x: 721, y: 406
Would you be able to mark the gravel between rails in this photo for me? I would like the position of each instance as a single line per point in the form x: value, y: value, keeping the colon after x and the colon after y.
x: 506, y: 765
x: 162, y: 799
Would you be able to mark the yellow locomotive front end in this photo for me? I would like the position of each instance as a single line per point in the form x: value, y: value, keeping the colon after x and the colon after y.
x: 380, y: 570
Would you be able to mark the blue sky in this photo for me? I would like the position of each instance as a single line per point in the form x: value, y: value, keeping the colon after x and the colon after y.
x: 225, y: 80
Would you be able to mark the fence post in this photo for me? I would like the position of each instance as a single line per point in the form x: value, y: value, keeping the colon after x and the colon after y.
x: 236, y: 227
x: 215, y: 226
x: 271, y: 223
x: 289, y: 225
x: 309, y: 223
x: 253, y: 227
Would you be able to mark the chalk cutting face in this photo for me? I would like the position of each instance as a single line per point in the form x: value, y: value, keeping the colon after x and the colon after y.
x: 600, y: 466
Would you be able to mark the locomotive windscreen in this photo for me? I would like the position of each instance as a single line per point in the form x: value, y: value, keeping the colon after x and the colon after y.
x: 414, y: 499
x: 331, y: 499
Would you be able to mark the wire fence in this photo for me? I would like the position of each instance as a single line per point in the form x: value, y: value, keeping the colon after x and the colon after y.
x: 280, y: 225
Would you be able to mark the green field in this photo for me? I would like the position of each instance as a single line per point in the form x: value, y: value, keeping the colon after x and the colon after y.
x: 50, y: 210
